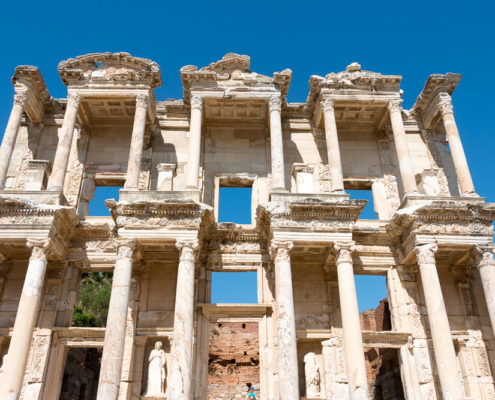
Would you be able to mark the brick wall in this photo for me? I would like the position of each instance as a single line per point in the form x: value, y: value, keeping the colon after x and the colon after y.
x: 233, y: 360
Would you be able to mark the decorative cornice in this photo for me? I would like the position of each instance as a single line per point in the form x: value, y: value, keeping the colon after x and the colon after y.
x: 280, y: 250
x: 425, y: 253
x: 188, y: 250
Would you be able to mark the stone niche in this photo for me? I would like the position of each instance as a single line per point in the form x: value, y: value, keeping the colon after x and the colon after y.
x: 149, y: 346
x: 233, y: 360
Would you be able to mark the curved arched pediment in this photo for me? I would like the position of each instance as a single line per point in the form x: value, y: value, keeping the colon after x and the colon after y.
x: 110, y: 69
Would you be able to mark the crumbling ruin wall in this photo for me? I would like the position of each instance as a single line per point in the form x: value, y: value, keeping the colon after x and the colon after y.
x: 233, y: 361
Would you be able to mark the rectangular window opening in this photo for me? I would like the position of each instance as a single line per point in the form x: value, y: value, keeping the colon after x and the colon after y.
x: 93, y: 299
x: 369, y: 209
x: 234, y: 204
x: 97, y: 207
x: 373, y: 304
x: 81, y: 373
x: 234, y: 287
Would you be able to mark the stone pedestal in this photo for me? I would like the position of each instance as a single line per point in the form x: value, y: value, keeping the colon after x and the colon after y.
x: 286, y: 326
x: 180, y: 376
x: 303, y: 176
x: 27, y: 312
x: 137, y: 142
x: 113, y: 347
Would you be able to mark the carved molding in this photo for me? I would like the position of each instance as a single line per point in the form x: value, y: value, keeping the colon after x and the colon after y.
x: 39, y: 248
x: 280, y: 250
x: 188, y: 250
x: 275, y: 103
x: 425, y: 253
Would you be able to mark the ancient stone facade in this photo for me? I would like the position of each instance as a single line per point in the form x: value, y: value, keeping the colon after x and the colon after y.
x: 234, y: 127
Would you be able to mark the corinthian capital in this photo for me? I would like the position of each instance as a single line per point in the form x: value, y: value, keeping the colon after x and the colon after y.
x: 327, y: 105
x: 343, y: 252
x: 196, y: 102
x: 395, y: 105
x: 484, y: 256
x: 188, y: 249
x: 142, y: 100
x: 275, y: 103
x: 126, y: 249
x: 73, y: 100
x: 20, y: 99
x: 425, y: 253
x: 280, y: 250
x: 445, y: 105
x: 39, y: 248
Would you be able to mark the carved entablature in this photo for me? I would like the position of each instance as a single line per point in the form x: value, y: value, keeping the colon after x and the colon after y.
x: 427, y: 104
x: 110, y: 70
x: 230, y: 75
x: 353, y: 81
x: 37, y: 221
x: 443, y: 221
x: 161, y: 215
x: 93, y: 239
x: 28, y: 81
x: 312, y: 214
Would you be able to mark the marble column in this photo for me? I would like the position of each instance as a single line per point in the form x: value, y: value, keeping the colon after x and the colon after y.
x: 443, y: 345
x: 277, y: 143
x: 137, y: 142
x: 27, y: 313
x: 456, y: 149
x: 10, y: 135
x: 194, y: 149
x: 286, y: 326
x: 402, y: 148
x: 180, y: 379
x: 486, y: 268
x: 333, y: 150
x: 113, y: 346
x: 57, y: 177
x: 351, y: 324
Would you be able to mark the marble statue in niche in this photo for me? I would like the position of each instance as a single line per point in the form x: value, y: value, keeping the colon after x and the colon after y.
x: 312, y: 375
x: 156, y: 371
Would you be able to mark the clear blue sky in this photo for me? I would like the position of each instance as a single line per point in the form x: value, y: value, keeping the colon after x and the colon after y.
x: 413, y: 39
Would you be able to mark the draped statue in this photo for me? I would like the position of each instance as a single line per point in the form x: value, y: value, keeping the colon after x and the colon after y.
x: 312, y: 374
x: 156, y: 371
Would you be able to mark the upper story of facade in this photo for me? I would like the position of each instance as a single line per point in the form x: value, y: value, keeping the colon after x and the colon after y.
x: 233, y: 128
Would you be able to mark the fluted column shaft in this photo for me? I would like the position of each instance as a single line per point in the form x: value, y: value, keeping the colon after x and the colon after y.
x: 443, y: 346
x: 457, y: 151
x: 194, y: 149
x: 10, y: 135
x: 57, y: 177
x: 277, y: 143
x: 351, y: 324
x: 137, y: 142
x: 286, y: 325
x: 27, y: 313
x: 113, y: 346
x: 486, y: 268
x: 180, y: 380
x: 332, y: 141
x: 402, y: 148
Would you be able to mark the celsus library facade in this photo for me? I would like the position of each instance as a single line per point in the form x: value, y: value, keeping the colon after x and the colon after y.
x: 163, y: 337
